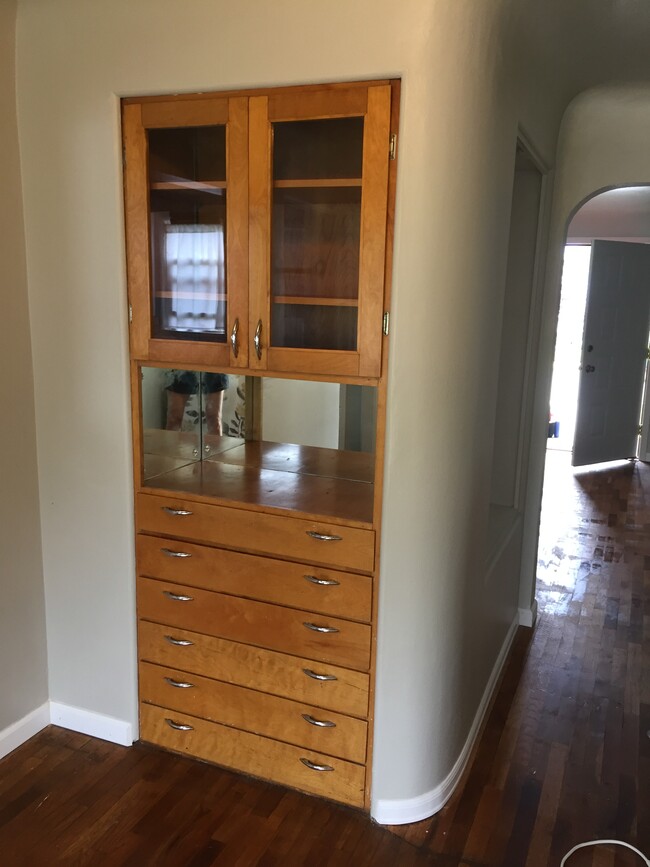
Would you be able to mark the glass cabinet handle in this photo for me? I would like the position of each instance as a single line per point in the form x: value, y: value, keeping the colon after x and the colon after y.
x: 233, y: 338
x: 257, y: 340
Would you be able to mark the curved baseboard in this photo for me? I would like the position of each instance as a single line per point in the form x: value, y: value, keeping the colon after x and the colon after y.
x: 407, y: 810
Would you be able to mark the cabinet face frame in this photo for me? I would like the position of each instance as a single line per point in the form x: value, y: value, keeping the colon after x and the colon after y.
x: 137, y: 119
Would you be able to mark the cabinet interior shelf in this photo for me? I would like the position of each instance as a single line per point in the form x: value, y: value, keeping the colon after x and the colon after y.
x: 316, y: 301
x: 317, y: 182
x: 330, y: 483
x: 180, y: 295
x: 201, y: 186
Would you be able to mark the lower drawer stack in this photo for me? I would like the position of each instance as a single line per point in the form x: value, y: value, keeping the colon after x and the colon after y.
x: 250, y: 660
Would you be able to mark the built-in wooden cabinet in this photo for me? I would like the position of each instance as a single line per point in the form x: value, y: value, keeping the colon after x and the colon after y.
x: 258, y: 246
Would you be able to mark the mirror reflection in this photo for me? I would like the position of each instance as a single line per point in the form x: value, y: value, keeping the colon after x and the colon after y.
x: 282, y: 424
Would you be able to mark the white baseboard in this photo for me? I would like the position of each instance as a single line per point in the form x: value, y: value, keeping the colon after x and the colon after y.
x: 407, y: 810
x: 528, y: 616
x: 98, y: 725
x: 87, y: 722
x: 16, y: 734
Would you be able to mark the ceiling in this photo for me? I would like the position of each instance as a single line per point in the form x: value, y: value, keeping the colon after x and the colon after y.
x: 620, y: 213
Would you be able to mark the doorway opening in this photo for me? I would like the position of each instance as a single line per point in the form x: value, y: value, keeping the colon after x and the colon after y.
x: 599, y: 380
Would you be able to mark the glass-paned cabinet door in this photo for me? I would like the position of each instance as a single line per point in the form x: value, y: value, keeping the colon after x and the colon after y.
x: 319, y: 181
x: 185, y: 181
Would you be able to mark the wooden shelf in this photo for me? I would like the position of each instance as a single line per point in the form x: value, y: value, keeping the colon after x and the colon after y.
x: 315, y: 301
x: 307, y: 183
x: 193, y: 296
x: 215, y: 187
x: 325, y: 483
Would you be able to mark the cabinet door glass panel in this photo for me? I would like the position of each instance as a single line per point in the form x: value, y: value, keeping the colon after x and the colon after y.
x: 187, y: 181
x: 317, y: 168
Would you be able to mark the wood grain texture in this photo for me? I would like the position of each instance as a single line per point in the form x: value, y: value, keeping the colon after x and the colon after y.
x: 254, y: 711
x: 253, y: 577
x: 374, y: 205
x: 176, y: 113
x: 342, y: 781
x: 257, y: 532
x: 266, y: 670
x: 66, y: 799
x: 274, y: 627
x: 564, y: 755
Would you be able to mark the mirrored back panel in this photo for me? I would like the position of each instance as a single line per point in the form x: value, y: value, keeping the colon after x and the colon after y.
x: 250, y: 426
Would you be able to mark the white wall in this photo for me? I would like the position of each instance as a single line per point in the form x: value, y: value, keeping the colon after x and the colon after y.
x: 603, y: 144
x: 441, y: 627
x: 23, y: 671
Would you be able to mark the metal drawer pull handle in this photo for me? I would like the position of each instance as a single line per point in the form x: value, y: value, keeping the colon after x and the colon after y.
x: 321, y: 537
x: 315, y: 767
x: 321, y: 723
x: 315, y: 628
x: 179, y: 684
x: 176, y: 511
x: 168, y: 553
x: 325, y: 582
x: 179, y: 642
x: 180, y: 727
x: 316, y: 676
x: 177, y: 597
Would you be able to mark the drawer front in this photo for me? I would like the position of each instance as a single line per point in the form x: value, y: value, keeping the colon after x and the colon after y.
x: 334, y: 688
x: 268, y: 715
x: 313, y: 588
x: 253, y: 754
x: 350, y: 548
x: 257, y: 623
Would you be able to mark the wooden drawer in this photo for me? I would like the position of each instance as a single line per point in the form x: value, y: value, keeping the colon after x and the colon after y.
x: 253, y: 711
x: 257, y: 532
x: 344, y: 690
x: 345, y: 595
x: 257, y: 623
x: 253, y: 754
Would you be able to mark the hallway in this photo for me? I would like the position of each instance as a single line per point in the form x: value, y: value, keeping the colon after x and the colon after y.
x: 564, y: 757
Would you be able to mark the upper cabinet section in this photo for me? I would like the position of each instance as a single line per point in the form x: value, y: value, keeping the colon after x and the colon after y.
x: 257, y: 228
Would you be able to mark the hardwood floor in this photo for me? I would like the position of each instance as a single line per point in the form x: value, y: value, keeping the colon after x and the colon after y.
x: 564, y: 756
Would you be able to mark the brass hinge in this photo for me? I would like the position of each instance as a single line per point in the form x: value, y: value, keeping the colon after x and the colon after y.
x: 386, y: 326
x: 639, y: 430
x: 647, y: 353
x: 392, y: 147
x: 130, y: 313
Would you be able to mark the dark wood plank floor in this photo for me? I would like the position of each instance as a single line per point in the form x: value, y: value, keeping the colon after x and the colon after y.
x: 564, y: 756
